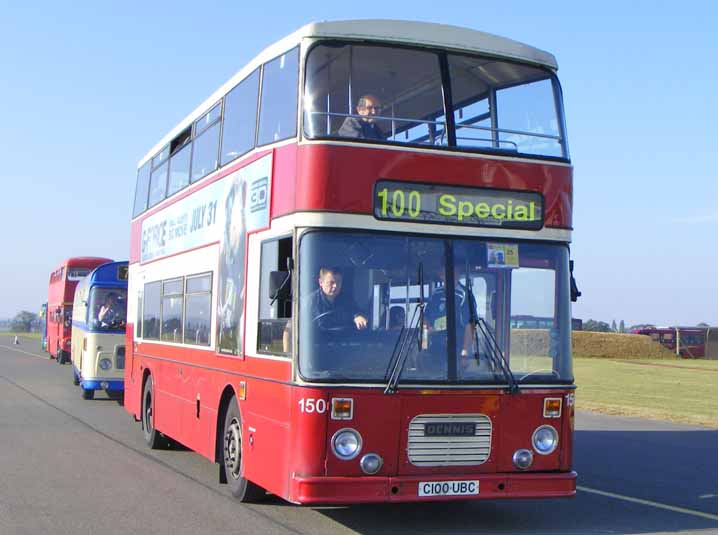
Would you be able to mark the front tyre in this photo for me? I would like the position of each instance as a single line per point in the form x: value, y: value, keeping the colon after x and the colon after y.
x: 152, y: 436
x: 241, y: 488
x: 88, y: 394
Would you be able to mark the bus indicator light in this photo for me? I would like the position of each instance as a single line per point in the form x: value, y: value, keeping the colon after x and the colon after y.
x: 552, y: 408
x: 342, y: 408
x: 242, y: 391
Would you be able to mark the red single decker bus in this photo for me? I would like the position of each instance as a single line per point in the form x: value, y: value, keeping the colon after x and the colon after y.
x: 293, y: 240
x: 61, y: 294
x: 685, y: 342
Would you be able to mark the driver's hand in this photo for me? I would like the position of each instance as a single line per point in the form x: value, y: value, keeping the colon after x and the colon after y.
x: 360, y: 322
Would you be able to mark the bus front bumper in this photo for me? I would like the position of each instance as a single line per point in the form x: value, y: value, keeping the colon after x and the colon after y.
x: 343, y: 490
x: 111, y: 385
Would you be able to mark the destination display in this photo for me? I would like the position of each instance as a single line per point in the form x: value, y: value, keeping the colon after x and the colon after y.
x: 435, y: 203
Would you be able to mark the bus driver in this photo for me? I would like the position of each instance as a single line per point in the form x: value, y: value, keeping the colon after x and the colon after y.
x: 108, y: 311
x: 365, y: 127
x: 330, y: 308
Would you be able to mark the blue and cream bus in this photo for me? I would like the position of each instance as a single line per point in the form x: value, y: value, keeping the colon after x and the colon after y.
x: 99, y: 317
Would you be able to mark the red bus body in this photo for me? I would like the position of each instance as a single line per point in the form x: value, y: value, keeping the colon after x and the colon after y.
x: 286, y: 423
x: 685, y: 342
x: 61, y: 293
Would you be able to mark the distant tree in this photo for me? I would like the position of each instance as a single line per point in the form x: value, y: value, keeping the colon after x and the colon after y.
x: 613, y: 326
x: 622, y: 327
x: 702, y: 324
x: 22, y: 322
x: 596, y: 326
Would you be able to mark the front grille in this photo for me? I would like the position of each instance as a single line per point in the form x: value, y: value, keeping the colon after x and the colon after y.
x: 120, y: 358
x: 449, y: 450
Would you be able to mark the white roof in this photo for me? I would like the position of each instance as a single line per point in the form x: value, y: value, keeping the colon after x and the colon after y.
x: 393, y: 31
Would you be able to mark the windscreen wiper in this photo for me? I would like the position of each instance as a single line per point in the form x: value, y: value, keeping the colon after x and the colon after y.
x: 492, y: 347
x: 402, y: 348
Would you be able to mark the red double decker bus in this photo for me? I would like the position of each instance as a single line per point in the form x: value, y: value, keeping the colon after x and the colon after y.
x: 294, y: 245
x: 61, y: 293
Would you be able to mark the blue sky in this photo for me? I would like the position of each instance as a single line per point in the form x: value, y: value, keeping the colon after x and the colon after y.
x: 88, y: 88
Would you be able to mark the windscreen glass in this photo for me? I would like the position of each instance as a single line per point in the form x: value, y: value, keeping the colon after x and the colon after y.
x: 107, y: 309
x: 369, y: 301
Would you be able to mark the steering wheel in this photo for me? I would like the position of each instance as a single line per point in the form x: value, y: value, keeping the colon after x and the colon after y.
x: 334, y: 328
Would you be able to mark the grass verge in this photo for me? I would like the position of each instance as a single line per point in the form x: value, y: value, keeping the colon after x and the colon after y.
x: 34, y: 336
x: 683, y: 391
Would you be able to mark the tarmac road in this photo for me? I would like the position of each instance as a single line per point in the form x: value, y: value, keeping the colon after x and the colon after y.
x: 69, y: 466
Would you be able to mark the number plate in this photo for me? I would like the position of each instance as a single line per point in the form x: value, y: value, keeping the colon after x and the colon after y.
x: 448, y: 488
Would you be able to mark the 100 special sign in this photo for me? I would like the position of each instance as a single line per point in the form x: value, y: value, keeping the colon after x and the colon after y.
x: 434, y: 203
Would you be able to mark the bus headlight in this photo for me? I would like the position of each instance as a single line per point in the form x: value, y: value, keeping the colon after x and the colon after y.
x: 346, y: 444
x: 105, y: 364
x: 371, y: 463
x: 545, y: 440
x: 523, y: 459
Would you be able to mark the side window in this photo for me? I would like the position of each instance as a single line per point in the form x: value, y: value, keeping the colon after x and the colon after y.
x: 138, y: 324
x: 240, y: 118
x: 278, y: 111
x: 158, y: 184
x: 205, y: 151
x: 158, y: 177
x: 142, y: 190
x: 151, y: 311
x: 275, y: 312
x: 198, y: 309
x: 172, y: 305
x: 179, y: 162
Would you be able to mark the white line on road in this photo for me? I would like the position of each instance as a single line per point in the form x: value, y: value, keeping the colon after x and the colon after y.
x: 649, y: 503
x: 26, y: 352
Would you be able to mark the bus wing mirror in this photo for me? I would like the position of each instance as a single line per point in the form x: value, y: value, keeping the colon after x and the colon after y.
x: 279, y: 286
x: 575, y: 292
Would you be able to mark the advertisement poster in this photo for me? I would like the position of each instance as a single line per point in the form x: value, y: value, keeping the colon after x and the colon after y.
x: 246, y: 205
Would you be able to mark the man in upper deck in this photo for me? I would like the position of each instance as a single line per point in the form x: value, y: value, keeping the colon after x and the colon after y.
x: 363, y: 127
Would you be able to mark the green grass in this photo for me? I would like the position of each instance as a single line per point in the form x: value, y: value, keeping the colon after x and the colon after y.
x: 678, y: 391
x: 34, y: 336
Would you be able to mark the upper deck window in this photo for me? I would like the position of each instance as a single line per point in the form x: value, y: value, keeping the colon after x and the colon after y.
x: 143, y: 187
x: 378, y: 93
x: 76, y: 274
x: 158, y: 184
x: 278, y: 111
x: 505, y: 106
x: 240, y: 118
x: 399, y: 95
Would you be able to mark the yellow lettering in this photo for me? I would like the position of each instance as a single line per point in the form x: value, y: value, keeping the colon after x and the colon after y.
x: 482, y: 210
x: 447, y: 205
x: 495, y: 211
x: 521, y: 214
x: 465, y: 209
x: 532, y: 211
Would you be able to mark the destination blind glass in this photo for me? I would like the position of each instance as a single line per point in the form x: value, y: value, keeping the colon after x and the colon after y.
x: 435, y: 203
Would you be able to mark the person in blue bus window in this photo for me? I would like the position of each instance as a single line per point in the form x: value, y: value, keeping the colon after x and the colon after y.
x: 363, y: 127
x: 330, y: 308
x: 109, y: 311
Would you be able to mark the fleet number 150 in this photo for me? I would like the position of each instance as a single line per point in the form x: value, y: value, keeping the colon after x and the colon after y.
x: 311, y: 405
x: 399, y: 202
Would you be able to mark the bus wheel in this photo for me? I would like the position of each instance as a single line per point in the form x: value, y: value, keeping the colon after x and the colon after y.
x: 88, y: 394
x: 60, y: 358
x: 152, y: 436
x: 241, y: 488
